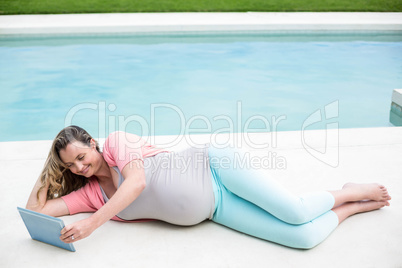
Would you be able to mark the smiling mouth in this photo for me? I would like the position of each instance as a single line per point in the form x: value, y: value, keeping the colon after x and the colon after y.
x: 85, y: 170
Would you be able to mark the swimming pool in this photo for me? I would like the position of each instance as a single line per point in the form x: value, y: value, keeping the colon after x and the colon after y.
x: 178, y: 84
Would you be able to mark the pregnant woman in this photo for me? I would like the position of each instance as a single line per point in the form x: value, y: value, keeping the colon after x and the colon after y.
x: 131, y: 180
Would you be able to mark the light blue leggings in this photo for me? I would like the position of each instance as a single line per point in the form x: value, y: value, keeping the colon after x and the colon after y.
x: 248, y: 201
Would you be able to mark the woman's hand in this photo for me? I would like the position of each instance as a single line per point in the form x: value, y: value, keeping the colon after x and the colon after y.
x: 77, y: 230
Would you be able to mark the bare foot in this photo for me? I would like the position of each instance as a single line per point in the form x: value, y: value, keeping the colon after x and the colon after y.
x: 368, y: 191
x: 350, y: 208
x: 365, y: 206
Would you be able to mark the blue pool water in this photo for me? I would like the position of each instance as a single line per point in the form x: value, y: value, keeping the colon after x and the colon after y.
x: 165, y: 85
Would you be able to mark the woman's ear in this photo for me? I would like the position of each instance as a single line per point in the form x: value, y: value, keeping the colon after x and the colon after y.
x: 93, y: 144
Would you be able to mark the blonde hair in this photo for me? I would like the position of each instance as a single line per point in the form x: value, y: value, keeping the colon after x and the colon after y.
x: 61, y: 180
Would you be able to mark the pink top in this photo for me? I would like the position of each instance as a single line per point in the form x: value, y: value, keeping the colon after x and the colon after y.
x: 120, y: 148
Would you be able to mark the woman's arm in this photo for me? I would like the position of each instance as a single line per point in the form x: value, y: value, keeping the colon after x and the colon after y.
x: 130, y: 189
x: 54, y: 207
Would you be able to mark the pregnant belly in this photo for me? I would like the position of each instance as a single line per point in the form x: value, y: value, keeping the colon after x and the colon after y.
x: 177, y: 207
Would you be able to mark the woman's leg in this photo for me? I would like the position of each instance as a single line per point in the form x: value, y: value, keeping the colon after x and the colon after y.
x: 250, y: 202
x: 230, y: 166
x: 241, y: 215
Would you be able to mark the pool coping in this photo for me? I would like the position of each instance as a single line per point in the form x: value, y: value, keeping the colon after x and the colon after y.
x: 199, y: 22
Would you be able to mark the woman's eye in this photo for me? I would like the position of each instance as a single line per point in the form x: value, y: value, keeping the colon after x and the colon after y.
x: 80, y: 158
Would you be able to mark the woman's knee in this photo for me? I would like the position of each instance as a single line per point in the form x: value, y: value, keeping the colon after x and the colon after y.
x: 292, y: 212
x: 307, y: 237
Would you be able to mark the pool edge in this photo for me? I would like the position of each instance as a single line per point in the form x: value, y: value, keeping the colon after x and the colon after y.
x: 199, y: 22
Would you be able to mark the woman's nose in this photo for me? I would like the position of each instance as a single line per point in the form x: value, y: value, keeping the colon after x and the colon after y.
x: 79, y: 166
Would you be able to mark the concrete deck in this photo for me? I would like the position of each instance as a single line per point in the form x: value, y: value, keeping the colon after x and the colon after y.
x: 366, y: 240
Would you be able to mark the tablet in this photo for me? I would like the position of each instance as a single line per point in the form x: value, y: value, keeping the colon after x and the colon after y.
x: 44, y: 228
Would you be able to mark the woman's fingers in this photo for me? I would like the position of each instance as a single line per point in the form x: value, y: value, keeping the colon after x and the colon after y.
x: 67, y: 234
x: 65, y: 229
x: 76, y: 231
x: 70, y: 239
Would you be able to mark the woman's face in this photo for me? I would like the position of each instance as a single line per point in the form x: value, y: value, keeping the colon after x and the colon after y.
x: 81, y: 159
